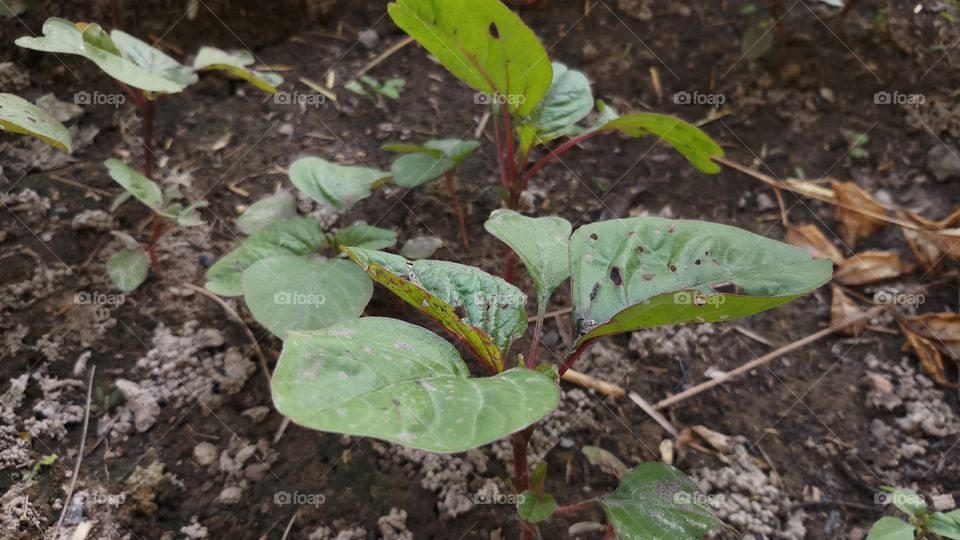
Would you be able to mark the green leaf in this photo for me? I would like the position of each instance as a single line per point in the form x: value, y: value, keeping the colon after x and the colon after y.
x: 295, y: 236
x: 128, y: 268
x: 18, y: 115
x: 484, y: 312
x: 59, y: 36
x: 607, y: 462
x: 236, y: 63
x: 630, y: 274
x: 365, y: 236
x: 482, y: 43
x: 891, y: 528
x: 656, y: 500
x: 272, y: 209
x: 144, y: 189
x: 190, y: 216
x: 430, y: 161
x: 391, y: 380
x: 944, y: 525
x: 534, y: 508
x: 568, y: 101
x: 299, y: 293
x: 906, y: 500
x: 686, y: 138
x: 134, y: 62
x: 541, y: 243
x: 334, y: 185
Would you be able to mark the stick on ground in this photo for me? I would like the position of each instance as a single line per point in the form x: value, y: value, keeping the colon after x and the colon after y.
x: 76, y: 467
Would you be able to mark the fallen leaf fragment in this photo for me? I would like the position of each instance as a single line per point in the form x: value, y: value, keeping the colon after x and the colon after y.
x: 720, y: 442
x: 930, y: 358
x: 871, y: 267
x: 809, y: 237
x: 943, y: 329
x: 853, y: 224
x: 842, y: 309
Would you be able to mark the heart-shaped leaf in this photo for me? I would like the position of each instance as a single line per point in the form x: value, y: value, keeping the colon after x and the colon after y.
x: 391, y: 380
x: 686, y: 138
x: 655, y: 500
x: 142, y: 188
x: 134, y: 62
x: 568, y: 101
x: 295, y: 236
x: 365, y: 236
x: 236, y: 63
x: 128, y: 268
x: 534, y: 508
x: 272, y: 209
x: 334, y: 185
x: 636, y: 273
x: 422, y: 164
x: 299, y: 293
x: 891, y: 528
x: 482, y: 311
x: 59, y: 36
x: 482, y: 43
x: 18, y: 115
x: 541, y: 243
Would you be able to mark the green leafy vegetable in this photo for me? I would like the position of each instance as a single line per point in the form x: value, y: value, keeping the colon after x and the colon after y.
x: 568, y: 101
x: 236, y: 63
x: 18, y: 115
x: 365, y: 236
x: 422, y: 164
x: 686, y: 138
x: 142, y: 188
x: 128, y: 269
x: 334, y: 185
x: 891, y: 528
x: 266, y: 211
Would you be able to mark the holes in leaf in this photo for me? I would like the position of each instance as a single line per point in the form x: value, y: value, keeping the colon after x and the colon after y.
x: 460, y: 312
x: 615, y: 276
x: 593, y: 236
x: 494, y: 31
x: 726, y: 287
x: 673, y: 267
x: 698, y: 262
x: 649, y: 277
x: 640, y: 249
x: 672, y: 229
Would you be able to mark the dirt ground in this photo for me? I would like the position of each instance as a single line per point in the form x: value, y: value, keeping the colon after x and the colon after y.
x: 183, y: 441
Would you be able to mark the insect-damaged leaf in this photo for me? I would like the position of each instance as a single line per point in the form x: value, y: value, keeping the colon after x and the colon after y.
x: 142, y: 188
x: 636, y: 273
x: 339, y: 186
x: 541, y: 243
x: 18, y: 115
x: 391, y: 380
x: 482, y: 311
x: 295, y: 236
x: 685, y: 138
x: 482, y: 43
x: 421, y: 164
x: 236, y: 63
x: 655, y: 500
x: 299, y: 293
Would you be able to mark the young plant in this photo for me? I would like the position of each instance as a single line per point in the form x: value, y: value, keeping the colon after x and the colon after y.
x: 375, y: 90
x: 535, y: 103
x: 288, y: 269
x: 18, y: 115
x: 920, y: 520
x: 391, y: 380
x: 146, y: 74
x: 421, y: 164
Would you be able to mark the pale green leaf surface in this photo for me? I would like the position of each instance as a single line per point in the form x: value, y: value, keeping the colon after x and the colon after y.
x: 279, y: 207
x: 568, y: 101
x: 59, y: 36
x: 391, y: 380
x: 142, y: 188
x: 136, y: 63
x: 236, y: 63
x: 428, y: 162
x: 339, y: 186
x: 128, y: 268
x: 891, y: 528
x: 685, y: 138
x: 18, y: 115
x: 534, y: 508
x: 366, y: 236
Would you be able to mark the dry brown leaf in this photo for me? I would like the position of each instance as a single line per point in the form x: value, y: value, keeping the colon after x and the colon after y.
x: 854, y: 225
x: 843, y: 308
x: 720, y: 442
x: 943, y: 329
x: 948, y: 222
x: 809, y: 237
x: 930, y: 358
x: 870, y: 267
x: 925, y: 248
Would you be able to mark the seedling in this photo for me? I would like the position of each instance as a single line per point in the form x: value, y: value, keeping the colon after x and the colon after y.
x: 288, y: 269
x: 146, y: 74
x: 18, y: 115
x: 391, y: 380
x: 534, y: 103
x: 373, y: 89
x: 920, y: 522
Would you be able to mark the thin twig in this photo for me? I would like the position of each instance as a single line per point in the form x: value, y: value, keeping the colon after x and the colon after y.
x: 754, y: 336
x: 767, y: 358
x: 250, y: 335
x: 650, y: 410
x: 383, y: 56
x: 293, y: 519
x: 593, y: 383
x: 561, y: 311
x: 76, y: 466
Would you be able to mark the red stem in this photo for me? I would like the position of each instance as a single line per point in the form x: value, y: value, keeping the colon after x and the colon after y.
x: 509, y: 265
x: 500, y: 157
x: 508, y: 142
x: 458, y: 210
x: 156, y: 230
x: 576, y: 507
x: 568, y: 363
x: 519, y: 440
x: 147, y: 109
x: 555, y: 153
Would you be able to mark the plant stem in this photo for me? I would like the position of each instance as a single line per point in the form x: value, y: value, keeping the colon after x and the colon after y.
x: 576, y: 507
x: 555, y: 153
x: 508, y: 143
x: 156, y: 230
x: 458, y: 210
x: 509, y: 265
x: 519, y: 440
x: 537, y: 330
x: 569, y: 361
x: 501, y: 160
